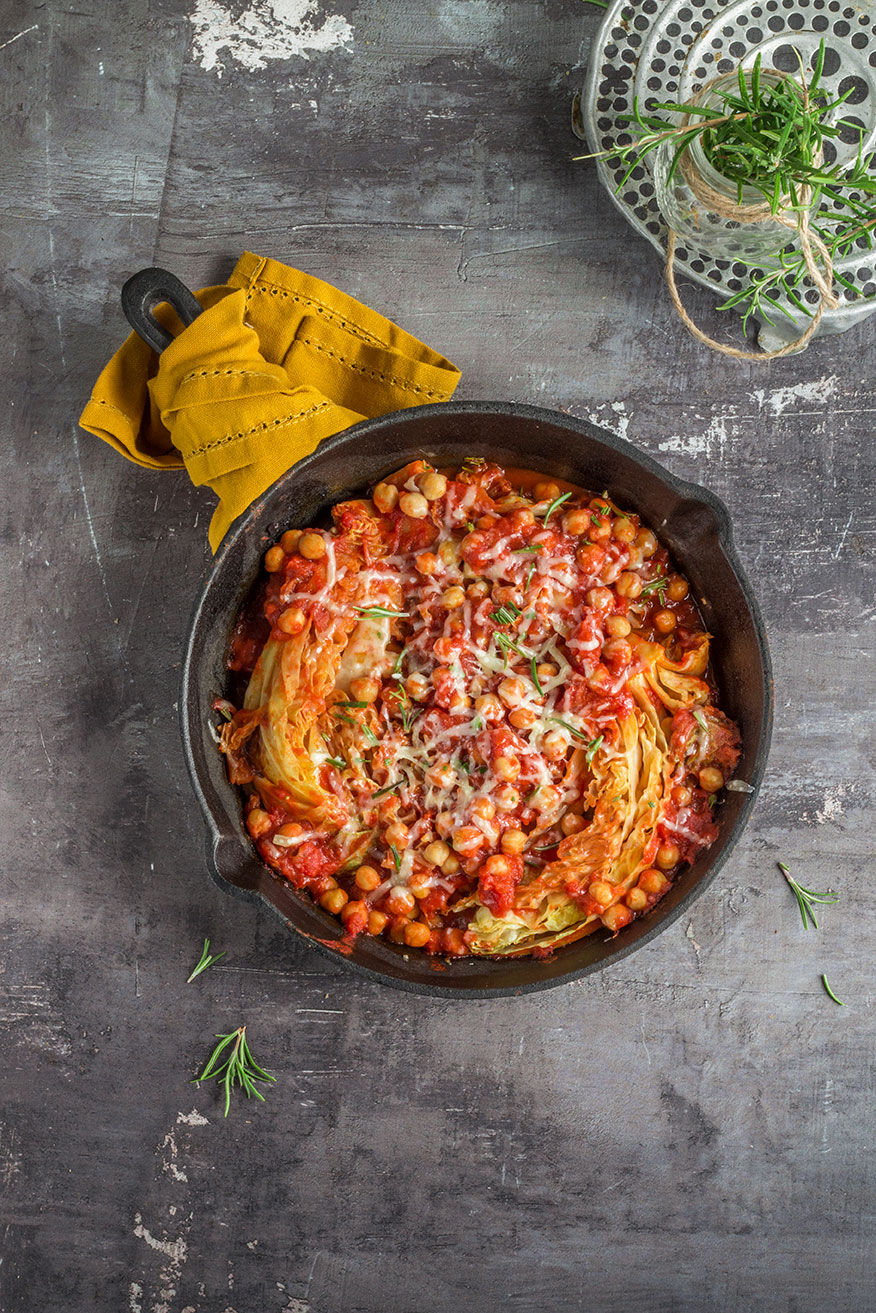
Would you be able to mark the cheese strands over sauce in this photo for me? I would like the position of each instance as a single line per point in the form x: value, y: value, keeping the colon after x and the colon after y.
x: 478, y: 716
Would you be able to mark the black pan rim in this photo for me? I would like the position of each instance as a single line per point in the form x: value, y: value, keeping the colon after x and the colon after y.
x: 190, y: 720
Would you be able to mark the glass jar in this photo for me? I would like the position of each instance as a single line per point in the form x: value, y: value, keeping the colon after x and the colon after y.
x: 703, y: 207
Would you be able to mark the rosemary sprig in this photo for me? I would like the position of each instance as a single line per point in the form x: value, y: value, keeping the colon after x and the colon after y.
x: 206, y: 960
x: 592, y: 749
x: 657, y: 586
x: 379, y: 611
x: 238, y: 1067
x: 530, y: 576
x: 533, y: 547
x: 806, y: 898
x: 388, y: 788
x: 830, y: 992
x: 395, y: 857
x: 558, y: 501
x: 571, y: 728
x: 507, y: 614
x: 769, y: 135
x: 396, y: 670
x: 533, y: 668
x: 508, y: 644
x: 701, y: 721
x: 337, y: 762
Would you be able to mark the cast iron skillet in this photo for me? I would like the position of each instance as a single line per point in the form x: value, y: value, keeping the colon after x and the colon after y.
x: 693, y: 524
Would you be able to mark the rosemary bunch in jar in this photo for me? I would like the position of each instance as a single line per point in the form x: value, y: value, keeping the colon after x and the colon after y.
x: 767, y: 132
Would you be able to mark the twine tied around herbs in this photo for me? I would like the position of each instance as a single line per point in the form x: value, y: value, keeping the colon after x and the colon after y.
x: 797, y: 221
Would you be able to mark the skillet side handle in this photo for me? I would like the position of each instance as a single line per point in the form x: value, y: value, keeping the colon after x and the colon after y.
x: 143, y: 292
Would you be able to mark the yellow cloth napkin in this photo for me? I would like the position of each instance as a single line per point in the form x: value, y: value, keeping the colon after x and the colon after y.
x: 277, y: 361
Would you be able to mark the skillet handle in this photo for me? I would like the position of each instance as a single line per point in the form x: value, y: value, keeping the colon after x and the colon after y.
x: 143, y: 292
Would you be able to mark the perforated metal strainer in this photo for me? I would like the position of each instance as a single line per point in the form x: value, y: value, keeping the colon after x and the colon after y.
x: 670, y: 51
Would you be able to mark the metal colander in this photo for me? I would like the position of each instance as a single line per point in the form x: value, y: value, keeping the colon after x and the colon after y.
x: 670, y: 51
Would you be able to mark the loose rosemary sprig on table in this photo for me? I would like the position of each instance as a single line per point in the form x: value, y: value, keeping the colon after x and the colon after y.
x: 831, y: 993
x: 238, y: 1067
x: 206, y: 960
x: 769, y: 136
x: 807, y: 897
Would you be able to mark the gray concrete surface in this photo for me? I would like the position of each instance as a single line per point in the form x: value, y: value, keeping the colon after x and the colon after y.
x: 691, y: 1130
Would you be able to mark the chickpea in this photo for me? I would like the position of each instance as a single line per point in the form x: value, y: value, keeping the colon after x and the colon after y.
x: 600, y: 529
x: 437, y: 852
x: 546, y: 491
x: 652, y: 881
x: 450, y: 866
x: 292, y: 621
x: 291, y: 830
x: 636, y: 900
x: 664, y: 622
x: 377, y: 922
x: 444, y: 823
x: 365, y: 689
x: 452, y: 597
x: 554, y: 745
x: 512, y: 692
x: 546, y: 670
x: 445, y: 650
x: 416, y: 687
x: 454, y: 942
x: 289, y: 541
x: 507, y: 797
x: 483, y: 809
x: 615, y: 918
x: 414, y: 505
x: 441, y: 775
x: 447, y: 553
x: 572, y: 823
x: 478, y: 590
x: 275, y: 559
x: 397, y: 834
x: 467, y: 839
x: 599, y: 678
x: 432, y: 485
x: 486, y: 521
x: 506, y: 768
x: 577, y: 521
x: 385, y: 497
x: 711, y: 779
x: 367, y: 879
x: 646, y: 543
x: 258, y: 822
x: 400, y: 901
x: 459, y: 701
x: 681, y: 796
x: 617, y: 626
x: 547, y: 798
x: 513, y: 842
x: 522, y: 718
x: 427, y: 563
x: 628, y: 585
x: 667, y: 856
x: 489, y: 708
x: 677, y: 589
x: 623, y: 530
x: 333, y: 900
x: 601, y: 892
x: 497, y: 865
x: 417, y: 933
x: 590, y: 558
x: 600, y: 599
x: 354, y: 908
x: 397, y: 929
x: 311, y: 546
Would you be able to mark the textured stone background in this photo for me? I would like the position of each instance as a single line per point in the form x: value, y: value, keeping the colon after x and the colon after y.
x: 691, y: 1130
